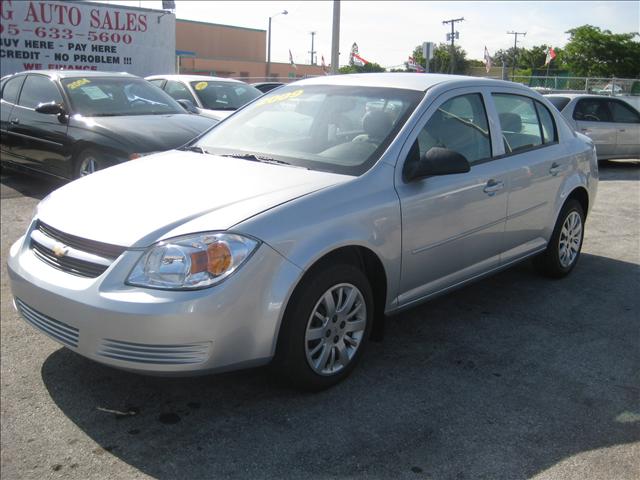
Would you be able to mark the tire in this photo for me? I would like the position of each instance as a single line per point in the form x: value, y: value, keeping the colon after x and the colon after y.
x: 318, y: 347
x: 87, y: 162
x: 563, y: 250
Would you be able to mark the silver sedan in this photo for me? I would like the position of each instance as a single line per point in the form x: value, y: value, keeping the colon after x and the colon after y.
x: 611, y: 122
x: 288, y: 231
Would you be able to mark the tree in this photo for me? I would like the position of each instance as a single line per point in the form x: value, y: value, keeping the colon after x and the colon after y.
x: 441, y: 61
x: 600, y: 53
x: 367, y: 68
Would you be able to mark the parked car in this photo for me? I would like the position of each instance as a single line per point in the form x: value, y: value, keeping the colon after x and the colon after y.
x: 610, y: 89
x: 69, y: 123
x: 212, y: 96
x: 278, y: 239
x: 612, y: 123
x: 265, y: 87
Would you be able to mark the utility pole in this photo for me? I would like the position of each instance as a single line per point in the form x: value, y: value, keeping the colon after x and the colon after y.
x: 335, y: 38
x: 515, y: 51
x: 312, y: 52
x: 452, y: 36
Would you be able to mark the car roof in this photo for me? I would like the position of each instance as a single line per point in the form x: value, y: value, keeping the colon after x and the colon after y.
x: 578, y: 95
x: 192, y: 78
x: 75, y: 73
x: 408, y: 81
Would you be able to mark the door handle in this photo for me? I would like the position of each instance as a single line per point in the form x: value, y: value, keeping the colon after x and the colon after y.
x: 555, y: 169
x: 493, y: 186
x: 622, y: 130
x: 14, y: 121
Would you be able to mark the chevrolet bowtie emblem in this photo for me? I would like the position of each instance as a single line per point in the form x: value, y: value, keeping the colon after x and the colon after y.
x: 60, y: 250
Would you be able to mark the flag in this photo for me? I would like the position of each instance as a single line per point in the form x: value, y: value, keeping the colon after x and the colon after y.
x: 291, y: 60
x: 413, y: 65
x: 323, y: 64
x: 551, y: 54
x: 358, y: 60
x: 487, y: 59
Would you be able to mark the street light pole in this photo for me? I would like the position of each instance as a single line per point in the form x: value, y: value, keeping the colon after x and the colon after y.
x: 453, y: 22
x: 284, y: 12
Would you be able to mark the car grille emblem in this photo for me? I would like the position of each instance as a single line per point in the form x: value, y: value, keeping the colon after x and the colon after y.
x: 60, y: 250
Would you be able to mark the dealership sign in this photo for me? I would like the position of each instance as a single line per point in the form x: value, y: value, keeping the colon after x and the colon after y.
x: 85, y: 36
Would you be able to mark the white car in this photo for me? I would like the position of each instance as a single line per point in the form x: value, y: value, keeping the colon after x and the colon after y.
x: 213, y: 97
x: 612, y: 123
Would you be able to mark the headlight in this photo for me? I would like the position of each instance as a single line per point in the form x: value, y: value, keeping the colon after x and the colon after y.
x: 192, y: 261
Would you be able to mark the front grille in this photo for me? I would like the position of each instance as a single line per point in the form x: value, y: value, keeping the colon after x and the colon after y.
x: 90, y: 246
x: 67, y: 264
x: 84, y: 258
x: 63, y: 333
x: 158, y: 354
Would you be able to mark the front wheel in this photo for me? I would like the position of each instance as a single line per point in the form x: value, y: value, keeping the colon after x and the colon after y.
x: 564, y: 247
x: 88, y: 162
x: 325, y: 328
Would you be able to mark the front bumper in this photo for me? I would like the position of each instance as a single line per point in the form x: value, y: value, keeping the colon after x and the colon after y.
x: 231, y: 325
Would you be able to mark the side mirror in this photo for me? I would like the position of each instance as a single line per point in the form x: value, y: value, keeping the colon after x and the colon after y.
x: 188, y: 105
x: 50, y: 108
x: 437, y: 161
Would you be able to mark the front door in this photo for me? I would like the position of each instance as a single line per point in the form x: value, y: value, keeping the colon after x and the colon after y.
x: 452, y: 225
x: 627, y: 121
x: 39, y: 140
x: 593, y: 118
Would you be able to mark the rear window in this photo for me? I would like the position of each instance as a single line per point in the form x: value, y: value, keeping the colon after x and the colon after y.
x: 559, y: 102
x: 224, y: 95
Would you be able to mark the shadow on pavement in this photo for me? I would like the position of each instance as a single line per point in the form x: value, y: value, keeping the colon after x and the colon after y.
x: 619, y: 170
x: 14, y: 183
x: 502, y: 379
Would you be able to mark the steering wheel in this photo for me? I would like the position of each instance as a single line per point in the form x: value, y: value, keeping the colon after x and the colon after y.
x: 591, y: 117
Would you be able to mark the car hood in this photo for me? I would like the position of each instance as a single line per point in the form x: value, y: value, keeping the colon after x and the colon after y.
x: 137, y: 203
x: 149, y: 133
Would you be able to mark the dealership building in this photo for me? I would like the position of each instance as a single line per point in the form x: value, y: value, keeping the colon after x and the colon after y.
x: 229, y: 51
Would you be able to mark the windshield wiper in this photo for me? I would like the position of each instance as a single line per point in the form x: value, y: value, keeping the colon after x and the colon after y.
x: 195, y: 148
x: 254, y: 157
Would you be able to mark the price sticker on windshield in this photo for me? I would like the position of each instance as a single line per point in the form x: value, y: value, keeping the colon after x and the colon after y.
x: 201, y: 86
x: 78, y: 83
x: 280, y: 98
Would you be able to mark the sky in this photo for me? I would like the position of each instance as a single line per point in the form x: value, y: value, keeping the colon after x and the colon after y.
x: 387, y: 31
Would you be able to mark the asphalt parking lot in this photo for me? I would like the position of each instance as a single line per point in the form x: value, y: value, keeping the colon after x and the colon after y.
x: 513, y: 377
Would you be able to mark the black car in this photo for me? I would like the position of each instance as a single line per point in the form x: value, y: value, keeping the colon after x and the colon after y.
x: 71, y: 123
x: 265, y: 87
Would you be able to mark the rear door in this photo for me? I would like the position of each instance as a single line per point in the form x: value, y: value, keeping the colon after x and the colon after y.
x: 627, y: 121
x: 452, y: 225
x: 537, y: 165
x: 40, y: 140
x: 593, y: 118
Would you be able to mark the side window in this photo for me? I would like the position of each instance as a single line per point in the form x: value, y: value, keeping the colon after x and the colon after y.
x: 518, y: 121
x: 592, y: 110
x: 549, y: 132
x: 623, y: 113
x: 157, y: 83
x: 11, y: 89
x: 459, y: 124
x: 39, y: 89
x: 179, y: 91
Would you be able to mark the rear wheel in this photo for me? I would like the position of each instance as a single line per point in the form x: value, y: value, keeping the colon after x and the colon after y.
x: 564, y: 247
x: 326, y: 327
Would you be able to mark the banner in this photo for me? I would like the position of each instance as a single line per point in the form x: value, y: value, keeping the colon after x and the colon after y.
x: 36, y: 35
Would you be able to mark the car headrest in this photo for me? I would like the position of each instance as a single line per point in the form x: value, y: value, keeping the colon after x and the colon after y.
x: 510, y: 122
x: 377, y: 124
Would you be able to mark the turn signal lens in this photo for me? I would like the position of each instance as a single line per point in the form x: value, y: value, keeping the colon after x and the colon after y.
x: 216, y: 260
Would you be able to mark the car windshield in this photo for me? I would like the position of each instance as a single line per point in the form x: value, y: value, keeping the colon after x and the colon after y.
x: 559, y: 102
x: 341, y: 129
x: 112, y: 96
x: 224, y: 95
